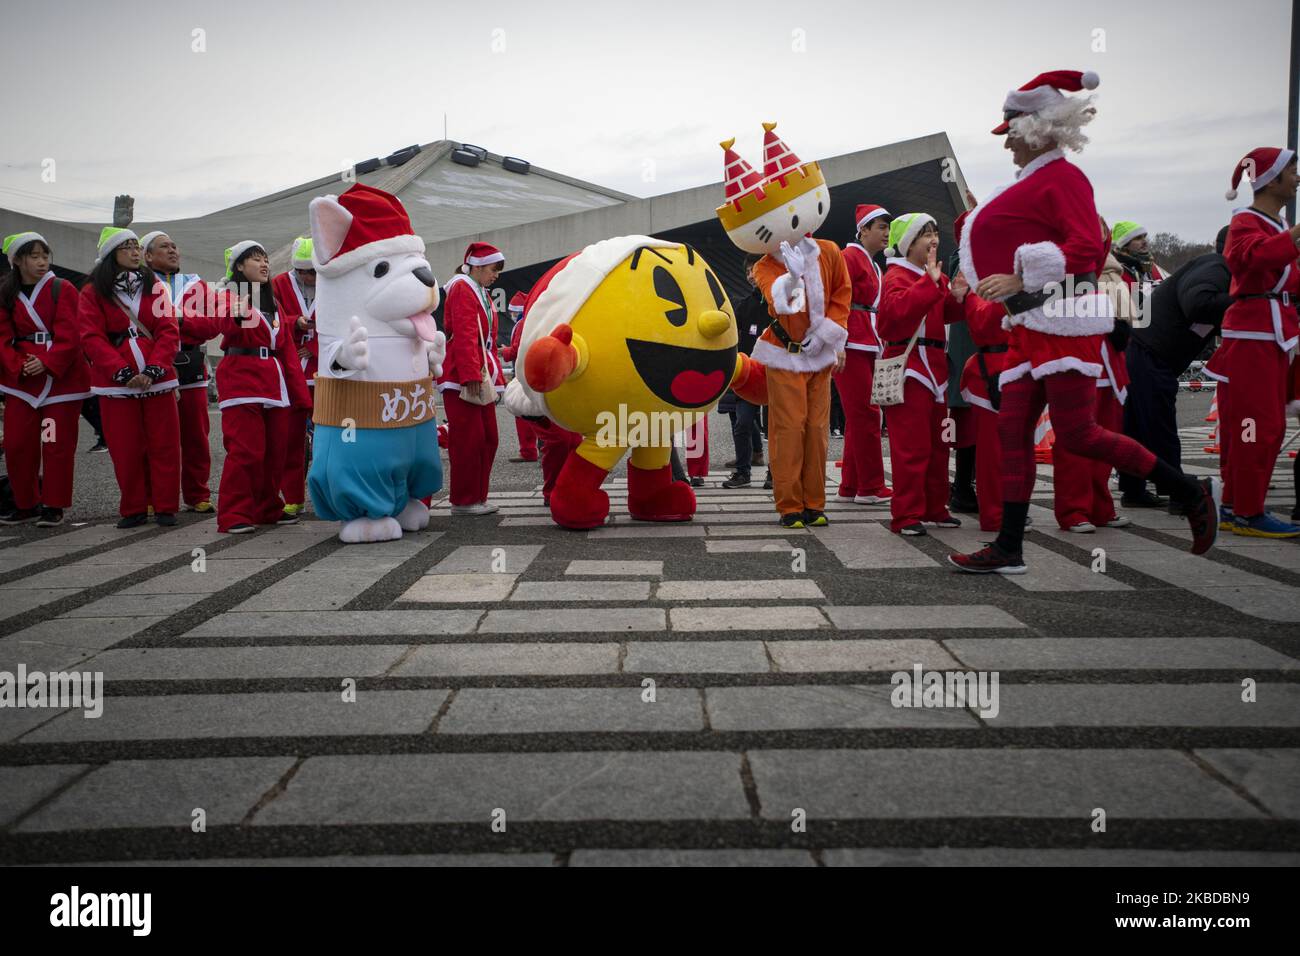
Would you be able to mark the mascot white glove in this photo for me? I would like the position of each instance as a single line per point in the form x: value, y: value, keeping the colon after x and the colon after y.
x: 436, y: 351
x: 355, y: 351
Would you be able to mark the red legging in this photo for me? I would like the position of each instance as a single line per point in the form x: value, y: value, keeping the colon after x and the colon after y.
x: 1072, y: 399
x: 471, y: 447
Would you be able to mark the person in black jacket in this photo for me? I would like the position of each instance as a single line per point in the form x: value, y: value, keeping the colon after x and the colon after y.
x: 752, y: 318
x: 1186, y: 311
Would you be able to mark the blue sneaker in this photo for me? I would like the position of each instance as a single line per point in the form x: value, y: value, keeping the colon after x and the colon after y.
x: 1225, y: 517
x: 1264, y: 526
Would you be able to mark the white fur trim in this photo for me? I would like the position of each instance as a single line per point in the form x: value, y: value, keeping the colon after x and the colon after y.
x: 1137, y: 233
x: 874, y: 214
x: 862, y: 348
x: 485, y: 260
x: 149, y: 237
x: 899, y: 261
x: 782, y: 292
x: 253, y: 400
x: 831, y: 335
x: 392, y: 246
x: 560, y: 301
x: 978, y: 401
x: 1284, y: 158
x: 40, y: 401
x: 1067, y: 363
x: 935, y: 389
x: 1082, y: 315
x: 113, y: 241
x: 1038, y: 263
x: 21, y: 240
x: 919, y: 221
x: 773, y: 356
x: 121, y: 391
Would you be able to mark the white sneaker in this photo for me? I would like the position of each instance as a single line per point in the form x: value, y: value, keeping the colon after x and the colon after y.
x: 490, y: 508
x: 1083, y: 527
x: 1119, y: 521
x: 475, y: 509
x: 870, y: 500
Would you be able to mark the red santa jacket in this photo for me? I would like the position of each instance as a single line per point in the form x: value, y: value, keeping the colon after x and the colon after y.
x: 38, y: 326
x: 984, y: 320
x: 511, y: 351
x: 260, y: 365
x: 292, y: 305
x: 193, y: 302
x: 1042, y: 227
x: 1261, y: 256
x: 865, y: 276
x: 465, y: 320
x: 111, y: 341
x: 911, y: 297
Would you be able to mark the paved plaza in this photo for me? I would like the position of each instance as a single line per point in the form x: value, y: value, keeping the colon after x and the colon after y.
x: 499, y: 690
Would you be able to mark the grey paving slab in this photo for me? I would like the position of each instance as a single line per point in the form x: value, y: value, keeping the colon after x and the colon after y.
x: 176, y: 717
x: 1048, y: 571
x: 1058, y: 784
x: 75, y: 576
x: 1271, y: 776
x: 385, y: 555
x: 270, y: 544
x: 748, y: 546
x: 640, y: 529
x: 21, y: 788
x: 440, y: 788
x: 488, y: 559
x: 37, y: 655
x: 463, y: 660
x: 336, y: 623
x: 531, y: 710
x: 772, y: 589
x: 1002, y: 856
x: 413, y: 860
x: 246, y: 663
x: 769, y: 517
x: 577, y: 591
x: 1147, y: 705
x: 616, y: 569
x: 467, y: 588
x: 851, y: 655
x: 675, y: 858
x: 873, y: 617
x: 161, y: 793
x: 215, y: 576
x: 130, y: 605
x: 1280, y: 554
x: 61, y: 545
x: 778, y: 618
x: 573, y: 621
x: 696, y: 657
x: 816, y: 707
x: 14, y: 722
x: 1121, y: 653
x: 87, y: 633
x: 872, y: 546
x: 717, y: 531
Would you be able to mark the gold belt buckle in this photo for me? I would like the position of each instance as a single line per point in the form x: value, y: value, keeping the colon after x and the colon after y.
x: 794, y: 348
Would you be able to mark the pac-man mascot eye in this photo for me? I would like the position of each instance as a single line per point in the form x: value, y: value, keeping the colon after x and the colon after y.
x: 715, y: 287
x: 666, y: 287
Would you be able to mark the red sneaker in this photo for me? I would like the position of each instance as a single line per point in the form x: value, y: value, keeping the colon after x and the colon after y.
x: 988, y: 560
x: 1203, y: 515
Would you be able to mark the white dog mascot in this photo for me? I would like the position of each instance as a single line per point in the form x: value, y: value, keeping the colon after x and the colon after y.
x: 375, y: 451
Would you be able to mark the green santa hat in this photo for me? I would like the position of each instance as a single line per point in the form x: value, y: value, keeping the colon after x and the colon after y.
x: 234, y: 253
x: 301, y: 257
x: 903, y: 230
x: 110, y: 237
x: 1125, y: 232
x: 12, y: 244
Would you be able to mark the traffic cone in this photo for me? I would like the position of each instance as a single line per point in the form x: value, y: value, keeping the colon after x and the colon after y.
x: 1213, y: 447
x: 1044, y: 438
x: 1214, y: 410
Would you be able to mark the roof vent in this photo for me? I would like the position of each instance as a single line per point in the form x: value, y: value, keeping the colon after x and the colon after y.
x: 367, y: 166
x: 515, y: 165
x: 402, y: 156
x: 478, y: 151
x: 465, y: 157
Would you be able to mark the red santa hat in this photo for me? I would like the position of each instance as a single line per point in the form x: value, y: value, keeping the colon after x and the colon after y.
x: 516, y: 305
x: 1261, y: 166
x: 363, y: 224
x: 741, y: 177
x: 867, y: 212
x: 1044, y: 90
x: 481, y: 254
x: 778, y: 158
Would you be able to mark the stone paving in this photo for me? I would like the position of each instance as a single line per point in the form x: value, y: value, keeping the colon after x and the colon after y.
x: 499, y: 691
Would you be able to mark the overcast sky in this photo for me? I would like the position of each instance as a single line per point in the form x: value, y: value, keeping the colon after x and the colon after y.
x: 634, y: 96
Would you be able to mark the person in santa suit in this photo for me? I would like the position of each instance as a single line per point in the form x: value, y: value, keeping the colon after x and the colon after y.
x: 470, y: 322
x: 130, y: 337
x: 44, y: 379
x: 1260, y: 333
x: 192, y: 303
x: 524, y: 429
x: 862, y: 479
x: 294, y: 291
x: 259, y: 384
x: 1035, y: 247
x: 917, y: 295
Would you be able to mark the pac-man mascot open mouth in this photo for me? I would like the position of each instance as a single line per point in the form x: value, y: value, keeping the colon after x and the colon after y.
x: 627, y: 342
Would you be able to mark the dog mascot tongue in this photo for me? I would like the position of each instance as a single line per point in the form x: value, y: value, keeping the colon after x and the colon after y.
x: 375, y: 451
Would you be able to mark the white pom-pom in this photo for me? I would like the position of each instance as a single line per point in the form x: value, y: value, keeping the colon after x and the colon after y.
x: 1090, y: 80
x: 1230, y: 195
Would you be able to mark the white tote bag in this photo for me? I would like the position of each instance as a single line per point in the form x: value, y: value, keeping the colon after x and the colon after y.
x: 891, y: 374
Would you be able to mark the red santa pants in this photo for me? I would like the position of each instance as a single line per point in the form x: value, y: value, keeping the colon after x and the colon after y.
x: 1072, y: 399
x: 557, y: 445
x: 1082, y: 485
x: 1252, y: 422
x: 254, y: 438
x: 864, y: 471
x: 196, y: 456
x: 144, y: 441
x: 988, y: 468
x: 471, y: 448
x: 918, y: 457
x: 40, y: 470
x: 697, y: 449
x: 528, y: 438
x: 293, y: 486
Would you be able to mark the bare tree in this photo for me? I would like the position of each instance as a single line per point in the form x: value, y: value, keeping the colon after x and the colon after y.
x: 1171, y: 251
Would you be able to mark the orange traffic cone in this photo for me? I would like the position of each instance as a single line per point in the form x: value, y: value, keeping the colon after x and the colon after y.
x: 1213, y: 447
x: 1044, y: 438
x: 1214, y: 410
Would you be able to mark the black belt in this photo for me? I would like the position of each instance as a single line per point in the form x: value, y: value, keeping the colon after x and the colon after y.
x: 40, y: 338
x: 791, y: 346
x: 933, y: 343
x: 186, y: 353
x: 862, y: 308
x: 117, y: 338
x: 261, y: 351
x: 1025, y: 301
x: 1283, y: 297
x: 990, y: 349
